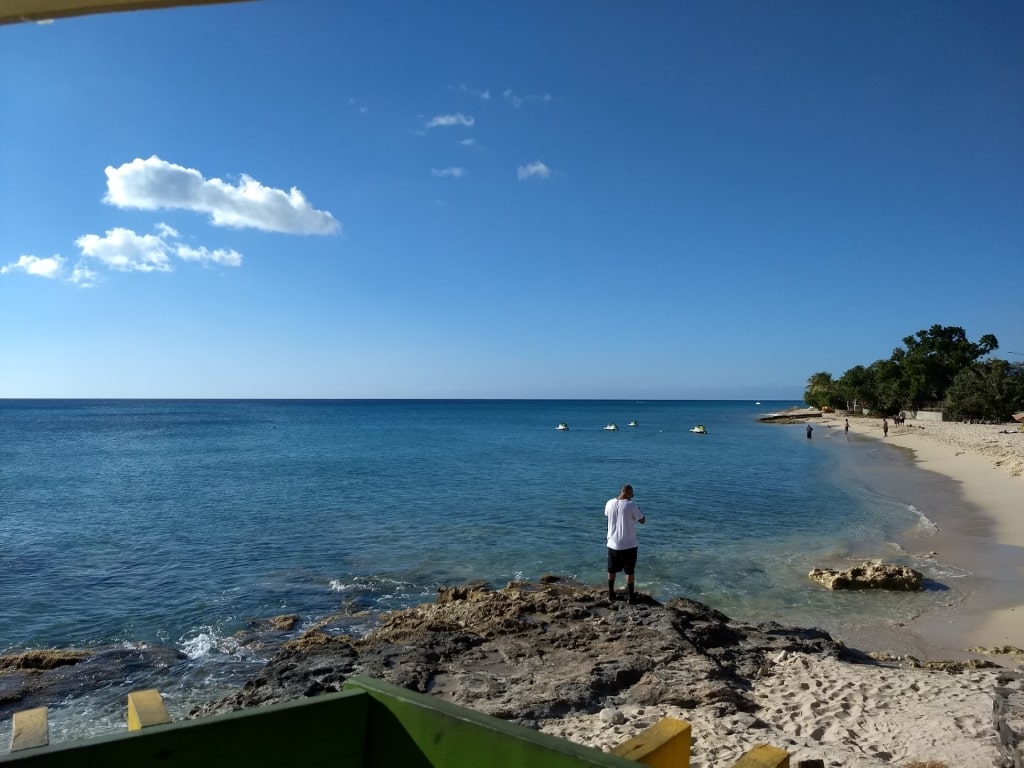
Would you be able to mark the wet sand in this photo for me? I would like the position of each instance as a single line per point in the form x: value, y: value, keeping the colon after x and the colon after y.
x: 980, y: 526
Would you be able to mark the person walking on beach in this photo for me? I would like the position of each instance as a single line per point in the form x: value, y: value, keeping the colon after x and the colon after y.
x: 846, y: 427
x: 623, y: 514
x: 885, y: 427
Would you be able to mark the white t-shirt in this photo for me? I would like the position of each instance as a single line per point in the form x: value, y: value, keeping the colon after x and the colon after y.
x: 622, y: 515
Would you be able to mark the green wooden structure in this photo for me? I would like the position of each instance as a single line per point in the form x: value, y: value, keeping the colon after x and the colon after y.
x: 369, y: 724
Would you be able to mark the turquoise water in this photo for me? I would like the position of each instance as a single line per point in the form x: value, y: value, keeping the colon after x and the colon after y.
x: 177, y: 522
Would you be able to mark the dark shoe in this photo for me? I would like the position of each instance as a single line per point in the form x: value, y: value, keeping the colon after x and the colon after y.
x: 611, y: 597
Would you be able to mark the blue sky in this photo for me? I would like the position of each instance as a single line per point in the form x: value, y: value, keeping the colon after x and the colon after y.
x: 530, y: 199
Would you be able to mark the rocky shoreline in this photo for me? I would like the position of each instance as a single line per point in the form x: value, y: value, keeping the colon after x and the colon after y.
x: 535, y: 651
x: 559, y: 656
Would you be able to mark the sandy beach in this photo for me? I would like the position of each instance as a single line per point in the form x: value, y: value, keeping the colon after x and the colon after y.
x: 987, y: 462
x: 848, y: 715
x: 863, y: 715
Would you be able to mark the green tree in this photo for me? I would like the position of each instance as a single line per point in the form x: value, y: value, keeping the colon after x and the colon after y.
x: 921, y: 371
x: 991, y: 390
x: 857, y: 385
x: 932, y: 359
x: 890, y: 395
x: 820, y: 390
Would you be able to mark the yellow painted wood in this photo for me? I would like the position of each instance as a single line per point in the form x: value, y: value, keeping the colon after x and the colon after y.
x: 146, y: 708
x: 666, y: 744
x: 30, y: 729
x: 764, y: 756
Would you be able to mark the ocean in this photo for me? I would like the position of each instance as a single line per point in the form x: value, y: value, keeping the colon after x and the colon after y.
x: 178, y: 523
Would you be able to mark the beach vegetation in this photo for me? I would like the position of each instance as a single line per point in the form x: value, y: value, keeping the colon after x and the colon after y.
x: 889, y: 387
x: 933, y: 365
x: 820, y: 390
x: 932, y: 359
x: 852, y: 386
x: 989, y: 390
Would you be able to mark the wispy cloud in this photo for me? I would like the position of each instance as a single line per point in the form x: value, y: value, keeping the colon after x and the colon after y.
x: 155, y: 184
x: 39, y: 266
x: 455, y: 173
x: 225, y: 256
x: 510, y: 96
x: 447, y: 121
x: 518, y: 101
x: 534, y: 170
x: 484, y: 95
x: 83, y: 277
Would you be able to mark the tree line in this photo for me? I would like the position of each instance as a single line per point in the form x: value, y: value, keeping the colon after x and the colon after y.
x: 938, y: 365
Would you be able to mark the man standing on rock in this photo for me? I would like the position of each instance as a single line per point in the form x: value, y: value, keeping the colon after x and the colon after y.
x: 623, y: 514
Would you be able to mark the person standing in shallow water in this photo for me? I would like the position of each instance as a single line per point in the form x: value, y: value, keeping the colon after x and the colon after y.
x: 623, y: 514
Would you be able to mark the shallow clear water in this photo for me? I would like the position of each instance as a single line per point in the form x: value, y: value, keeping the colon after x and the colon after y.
x: 177, y: 522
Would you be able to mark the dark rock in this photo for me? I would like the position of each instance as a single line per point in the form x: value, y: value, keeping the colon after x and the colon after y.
x: 1008, y: 716
x: 534, y: 651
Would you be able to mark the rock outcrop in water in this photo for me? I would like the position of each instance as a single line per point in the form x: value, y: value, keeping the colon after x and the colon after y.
x: 41, y: 677
x: 532, y: 651
x: 873, y: 574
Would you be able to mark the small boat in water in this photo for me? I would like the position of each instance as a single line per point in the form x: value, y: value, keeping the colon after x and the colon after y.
x: 562, y: 427
x: 699, y: 430
x: 633, y: 423
x: 613, y: 427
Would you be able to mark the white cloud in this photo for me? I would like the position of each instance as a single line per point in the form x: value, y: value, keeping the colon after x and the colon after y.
x: 534, y: 169
x: 124, y: 251
x: 48, y: 266
x: 83, y: 276
x: 455, y: 173
x: 166, y: 230
x: 468, y: 142
x: 227, y: 257
x: 446, y: 121
x: 155, y: 184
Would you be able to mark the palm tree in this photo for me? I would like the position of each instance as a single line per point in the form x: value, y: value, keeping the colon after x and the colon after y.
x: 820, y: 389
